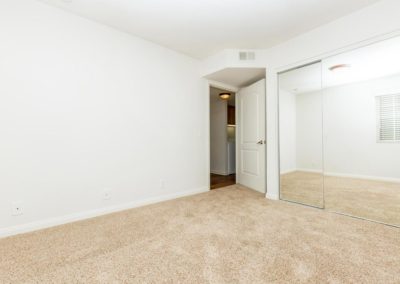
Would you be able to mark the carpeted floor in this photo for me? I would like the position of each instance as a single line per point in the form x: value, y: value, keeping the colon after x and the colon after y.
x: 303, y: 187
x: 228, y: 235
x: 374, y: 200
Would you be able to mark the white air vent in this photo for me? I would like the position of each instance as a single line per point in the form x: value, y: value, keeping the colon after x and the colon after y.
x: 388, y: 118
x: 247, y: 55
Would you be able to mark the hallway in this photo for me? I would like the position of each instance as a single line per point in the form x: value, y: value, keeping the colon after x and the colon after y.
x: 218, y: 181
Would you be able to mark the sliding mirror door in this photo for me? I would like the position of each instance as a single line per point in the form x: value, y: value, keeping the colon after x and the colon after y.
x: 362, y: 132
x: 300, y: 135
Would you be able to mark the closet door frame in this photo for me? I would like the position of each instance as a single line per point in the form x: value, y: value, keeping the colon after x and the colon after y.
x: 320, y: 61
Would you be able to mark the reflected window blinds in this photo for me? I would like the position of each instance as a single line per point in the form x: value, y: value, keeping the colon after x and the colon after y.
x: 388, y: 118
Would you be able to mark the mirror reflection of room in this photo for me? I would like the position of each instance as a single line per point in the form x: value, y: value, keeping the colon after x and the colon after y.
x: 300, y: 116
x: 362, y: 132
x: 339, y: 126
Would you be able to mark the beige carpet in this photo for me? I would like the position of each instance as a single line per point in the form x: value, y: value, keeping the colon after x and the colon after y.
x: 374, y: 200
x: 303, y: 187
x: 228, y: 235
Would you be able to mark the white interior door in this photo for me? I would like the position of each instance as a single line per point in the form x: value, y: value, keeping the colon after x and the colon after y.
x: 251, y: 136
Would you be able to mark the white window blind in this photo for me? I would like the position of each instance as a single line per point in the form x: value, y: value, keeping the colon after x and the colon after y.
x: 388, y: 111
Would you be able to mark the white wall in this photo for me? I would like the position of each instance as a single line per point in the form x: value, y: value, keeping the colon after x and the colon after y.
x: 287, y: 131
x: 218, y: 134
x: 367, y: 25
x: 85, y: 108
x: 309, y: 152
x: 350, y: 127
x: 229, y: 58
x: 300, y: 117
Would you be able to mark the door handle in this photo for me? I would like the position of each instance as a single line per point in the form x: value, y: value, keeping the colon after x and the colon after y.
x: 260, y: 142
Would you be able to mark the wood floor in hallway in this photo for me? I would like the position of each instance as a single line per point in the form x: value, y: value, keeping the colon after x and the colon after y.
x: 218, y: 181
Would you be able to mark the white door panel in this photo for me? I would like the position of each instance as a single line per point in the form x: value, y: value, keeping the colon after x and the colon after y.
x: 251, y: 136
x: 250, y: 163
x: 249, y: 105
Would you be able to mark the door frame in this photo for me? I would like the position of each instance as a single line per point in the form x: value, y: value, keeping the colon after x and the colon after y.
x: 279, y: 137
x: 220, y: 85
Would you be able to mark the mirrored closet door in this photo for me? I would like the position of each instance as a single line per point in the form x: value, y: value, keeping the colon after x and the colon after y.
x: 340, y: 139
x: 300, y: 132
x: 362, y: 132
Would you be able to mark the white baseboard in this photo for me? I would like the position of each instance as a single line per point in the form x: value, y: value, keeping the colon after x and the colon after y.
x: 272, y: 196
x: 317, y: 171
x: 51, y: 222
x: 302, y: 170
x: 221, y: 173
x: 288, y: 171
x: 376, y: 178
x: 333, y: 174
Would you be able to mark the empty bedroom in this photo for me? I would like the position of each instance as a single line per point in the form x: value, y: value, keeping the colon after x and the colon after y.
x: 209, y: 141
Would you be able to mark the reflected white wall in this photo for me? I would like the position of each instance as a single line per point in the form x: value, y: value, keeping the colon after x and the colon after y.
x: 350, y: 123
x: 287, y: 119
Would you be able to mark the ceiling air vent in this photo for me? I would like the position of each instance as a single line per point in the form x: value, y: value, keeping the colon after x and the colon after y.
x: 247, y: 55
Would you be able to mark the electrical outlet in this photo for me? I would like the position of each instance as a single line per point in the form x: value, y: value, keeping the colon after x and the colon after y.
x: 107, y: 194
x: 17, y: 208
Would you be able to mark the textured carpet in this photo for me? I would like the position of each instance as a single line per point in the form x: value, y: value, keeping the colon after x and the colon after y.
x: 374, y: 200
x: 303, y: 187
x: 228, y: 235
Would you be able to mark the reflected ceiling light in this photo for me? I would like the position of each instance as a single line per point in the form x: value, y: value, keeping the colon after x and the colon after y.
x: 339, y: 67
x: 224, y: 96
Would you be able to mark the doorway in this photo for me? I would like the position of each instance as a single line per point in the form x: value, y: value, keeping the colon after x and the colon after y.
x: 237, y: 128
x: 222, y: 138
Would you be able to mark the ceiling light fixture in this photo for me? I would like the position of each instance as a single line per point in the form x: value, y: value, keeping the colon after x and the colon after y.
x: 339, y: 66
x: 224, y: 96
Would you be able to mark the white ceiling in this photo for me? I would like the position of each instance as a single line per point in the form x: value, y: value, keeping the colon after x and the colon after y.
x: 203, y: 27
x: 238, y: 77
x: 367, y: 63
